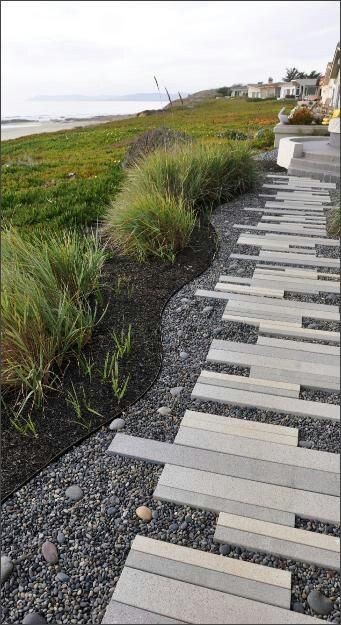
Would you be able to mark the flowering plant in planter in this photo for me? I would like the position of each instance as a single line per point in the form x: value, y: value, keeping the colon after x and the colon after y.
x: 301, y: 115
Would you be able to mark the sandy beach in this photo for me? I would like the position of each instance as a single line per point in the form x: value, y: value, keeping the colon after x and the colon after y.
x: 15, y: 130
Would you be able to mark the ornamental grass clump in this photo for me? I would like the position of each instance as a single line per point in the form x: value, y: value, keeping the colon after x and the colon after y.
x: 150, y: 225
x: 163, y: 196
x: 46, y: 315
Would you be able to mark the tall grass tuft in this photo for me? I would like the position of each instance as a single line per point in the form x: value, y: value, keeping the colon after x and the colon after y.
x: 150, y: 225
x: 155, y: 211
x: 46, y: 314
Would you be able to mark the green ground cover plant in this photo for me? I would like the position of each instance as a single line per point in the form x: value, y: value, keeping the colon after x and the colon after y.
x: 39, y: 190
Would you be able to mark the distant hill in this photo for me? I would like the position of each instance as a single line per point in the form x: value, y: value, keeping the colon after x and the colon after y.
x: 132, y: 97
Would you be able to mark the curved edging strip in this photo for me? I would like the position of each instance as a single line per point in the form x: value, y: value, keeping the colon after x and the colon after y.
x: 99, y: 427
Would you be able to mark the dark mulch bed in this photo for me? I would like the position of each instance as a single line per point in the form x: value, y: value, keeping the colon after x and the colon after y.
x: 135, y: 294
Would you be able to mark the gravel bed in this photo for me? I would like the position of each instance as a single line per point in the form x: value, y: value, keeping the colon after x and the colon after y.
x: 93, y: 535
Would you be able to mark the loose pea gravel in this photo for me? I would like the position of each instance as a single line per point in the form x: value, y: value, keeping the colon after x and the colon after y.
x: 93, y: 535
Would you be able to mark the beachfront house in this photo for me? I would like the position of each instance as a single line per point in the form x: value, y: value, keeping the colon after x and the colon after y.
x: 300, y: 89
x: 330, y: 88
x: 262, y: 90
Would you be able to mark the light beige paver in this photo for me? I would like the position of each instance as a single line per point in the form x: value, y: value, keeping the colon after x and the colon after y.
x: 195, y: 604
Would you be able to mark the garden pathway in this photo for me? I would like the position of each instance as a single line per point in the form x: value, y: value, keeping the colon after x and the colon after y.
x: 252, y: 474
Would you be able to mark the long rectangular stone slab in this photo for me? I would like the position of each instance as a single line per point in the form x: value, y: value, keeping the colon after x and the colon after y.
x: 289, y: 304
x: 305, y: 504
x: 210, y: 561
x: 314, y: 382
x: 236, y: 279
x: 235, y: 577
x: 292, y: 261
x: 291, y: 186
x: 123, y: 614
x: 270, y: 329
x: 298, y: 196
x: 250, y: 383
x: 306, y: 260
x: 236, y: 288
x: 286, y: 307
x: 304, y: 195
x: 276, y: 246
x: 202, y: 450
x: 289, y: 287
x: 285, y: 229
x: 280, y: 203
x: 295, y: 284
x: 304, y: 180
x: 182, y: 455
x: 302, y: 201
x: 325, y: 463
x: 239, y: 316
x: 282, y: 405
x: 303, y: 220
x: 219, y: 504
x: 330, y: 362
x: 288, y: 371
x: 331, y: 350
x: 314, y: 274
x: 286, y: 239
x: 302, y: 239
x: 289, y: 542
x: 195, y: 604
x: 283, y: 211
x: 307, y: 309
x: 241, y: 427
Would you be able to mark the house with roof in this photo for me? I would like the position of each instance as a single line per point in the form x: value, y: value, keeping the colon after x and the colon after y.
x: 300, y: 89
x: 330, y: 88
x: 262, y: 90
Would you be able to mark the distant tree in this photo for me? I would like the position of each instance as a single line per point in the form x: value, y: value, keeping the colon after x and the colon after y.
x: 314, y: 74
x: 291, y: 74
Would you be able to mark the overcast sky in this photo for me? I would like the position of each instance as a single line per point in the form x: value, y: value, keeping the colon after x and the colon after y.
x: 92, y: 48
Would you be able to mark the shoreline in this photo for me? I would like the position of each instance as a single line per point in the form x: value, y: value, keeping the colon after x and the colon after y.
x: 16, y: 129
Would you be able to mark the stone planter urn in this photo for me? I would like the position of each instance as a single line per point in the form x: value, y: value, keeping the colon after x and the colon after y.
x: 282, y: 117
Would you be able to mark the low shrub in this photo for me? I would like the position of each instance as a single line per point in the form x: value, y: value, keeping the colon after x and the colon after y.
x: 46, y: 314
x: 263, y: 138
x: 151, y: 140
x: 233, y: 135
x: 161, y: 189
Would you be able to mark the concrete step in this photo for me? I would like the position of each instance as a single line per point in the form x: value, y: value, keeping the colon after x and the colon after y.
x: 321, y: 157
x: 318, y: 173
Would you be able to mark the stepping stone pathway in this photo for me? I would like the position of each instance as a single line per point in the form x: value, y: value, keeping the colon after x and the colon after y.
x: 253, y: 475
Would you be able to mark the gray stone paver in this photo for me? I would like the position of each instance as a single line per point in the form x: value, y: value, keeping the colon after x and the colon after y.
x: 287, y: 542
x: 306, y: 504
x: 208, y: 577
x: 283, y: 405
x: 218, y: 504
x: 195, y: 604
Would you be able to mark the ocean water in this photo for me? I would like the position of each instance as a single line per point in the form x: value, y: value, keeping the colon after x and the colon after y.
x: 46, y: 110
